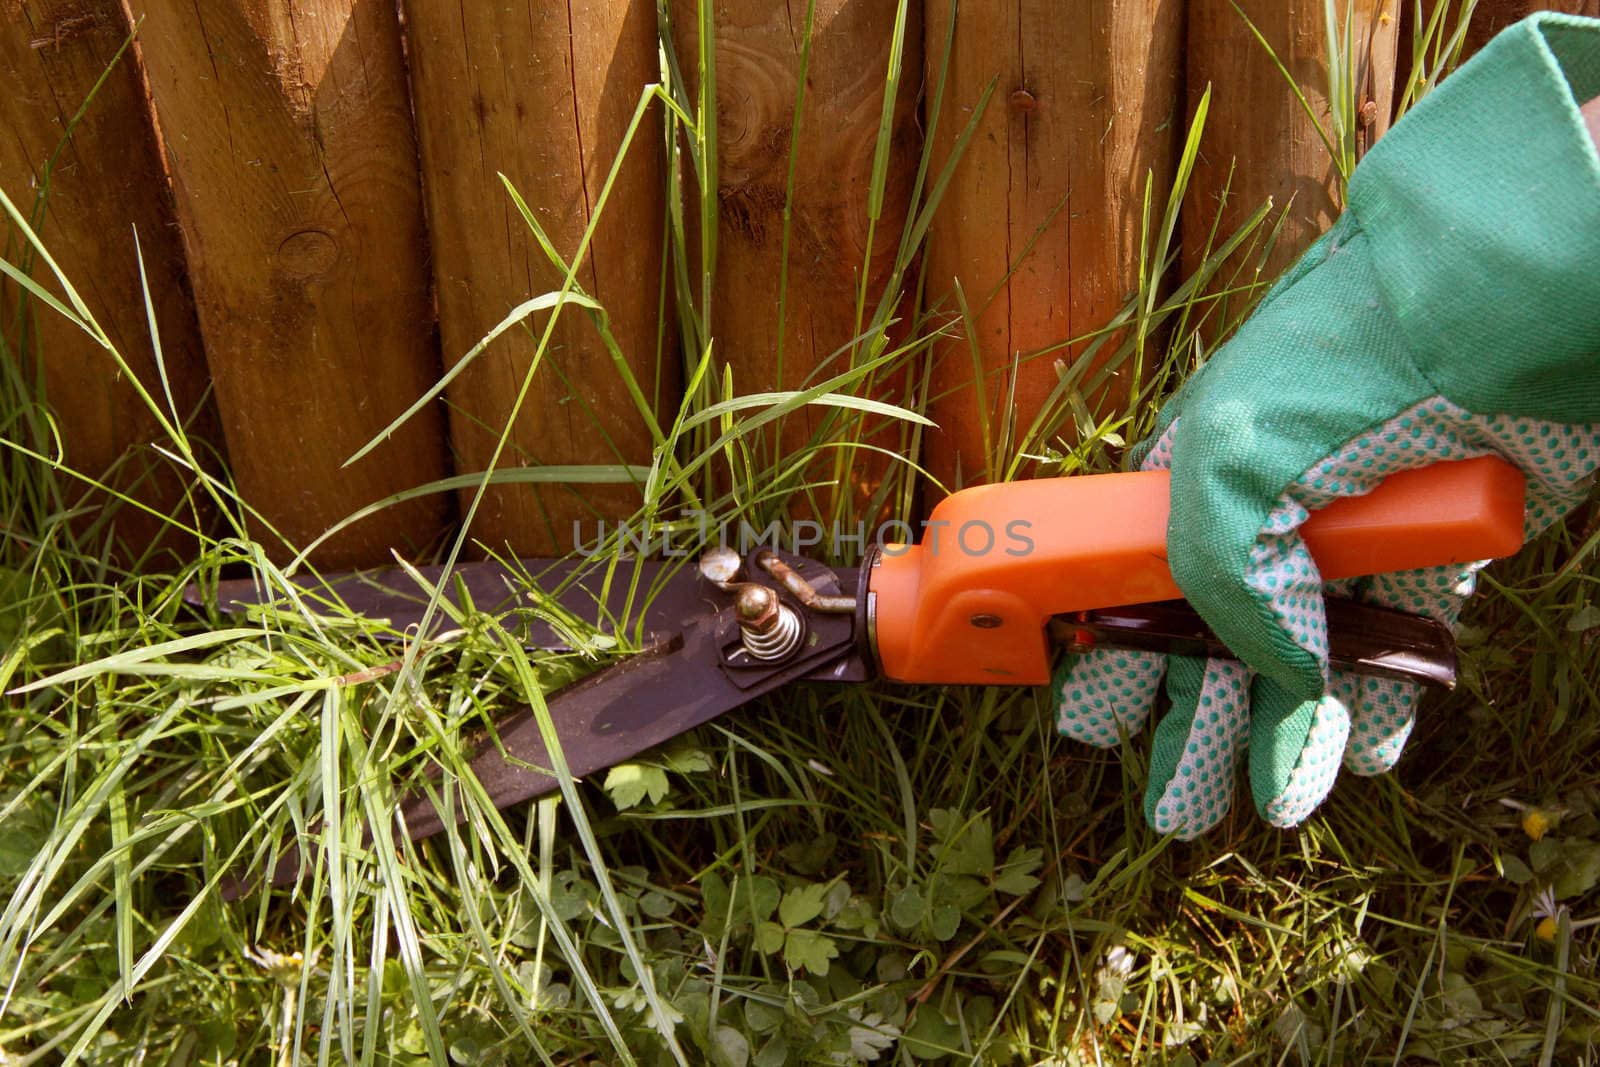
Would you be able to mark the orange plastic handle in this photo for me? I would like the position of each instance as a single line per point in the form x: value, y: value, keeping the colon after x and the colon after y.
x: 969, y: 604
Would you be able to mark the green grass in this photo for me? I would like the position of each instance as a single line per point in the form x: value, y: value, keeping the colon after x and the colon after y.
x: 886, y: 874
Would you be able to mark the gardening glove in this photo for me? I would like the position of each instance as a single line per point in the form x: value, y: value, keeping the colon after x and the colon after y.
x: 1452, y: 311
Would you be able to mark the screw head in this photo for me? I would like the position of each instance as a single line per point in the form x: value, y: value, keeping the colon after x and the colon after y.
x: 720, y: 565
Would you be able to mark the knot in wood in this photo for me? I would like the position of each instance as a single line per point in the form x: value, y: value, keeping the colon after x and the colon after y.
x: 306, y: 254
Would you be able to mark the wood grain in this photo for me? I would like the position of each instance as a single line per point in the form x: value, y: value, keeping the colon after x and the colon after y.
x: 287, y: 130
x: 758, y: 49
x: 1492, y: 16
x: 106, y: 182
x: 1257, y: 121
x: 1087, y: 103
x: 543, y: 91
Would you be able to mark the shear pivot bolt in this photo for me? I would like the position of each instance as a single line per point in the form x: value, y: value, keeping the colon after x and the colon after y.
x: 769, y: 629
x: 756, y: 607
x: 986, y: 621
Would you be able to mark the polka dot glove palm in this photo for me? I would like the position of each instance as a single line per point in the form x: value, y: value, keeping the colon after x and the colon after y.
x: 1453, y: 311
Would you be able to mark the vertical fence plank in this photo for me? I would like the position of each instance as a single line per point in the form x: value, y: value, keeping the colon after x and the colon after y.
x: 103, y: 184
x: 830, y: 265
x: 1260, y: 132
x: 543, y: 92
x: 287, y: 130
x: 1492, y: 16
x: 1050, y: 190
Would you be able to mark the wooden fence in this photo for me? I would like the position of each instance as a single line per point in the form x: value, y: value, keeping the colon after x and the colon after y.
x: 315, y: 189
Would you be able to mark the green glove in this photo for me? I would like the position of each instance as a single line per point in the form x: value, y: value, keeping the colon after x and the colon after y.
x: 1452, y: 311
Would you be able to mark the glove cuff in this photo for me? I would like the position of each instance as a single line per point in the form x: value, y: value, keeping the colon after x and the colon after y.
x: 1483, y: 209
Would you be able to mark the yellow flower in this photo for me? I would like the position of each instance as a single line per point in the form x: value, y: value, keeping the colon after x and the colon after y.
x: 1546, y: 930
x: 1536, y: 822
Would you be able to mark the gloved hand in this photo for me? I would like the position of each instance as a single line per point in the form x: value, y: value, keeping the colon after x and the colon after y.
x: 1452, y: 311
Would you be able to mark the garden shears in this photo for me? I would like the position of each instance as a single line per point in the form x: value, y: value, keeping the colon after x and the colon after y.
x: 1084, y: 567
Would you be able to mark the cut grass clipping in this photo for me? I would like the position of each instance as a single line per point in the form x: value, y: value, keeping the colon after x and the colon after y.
x: 872, y: 874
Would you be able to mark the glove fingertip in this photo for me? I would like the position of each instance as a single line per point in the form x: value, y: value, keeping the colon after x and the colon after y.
x: 1311, y: 779
x: 1196, y: 751
x: 1106, y: 695
x: 1381, y: 718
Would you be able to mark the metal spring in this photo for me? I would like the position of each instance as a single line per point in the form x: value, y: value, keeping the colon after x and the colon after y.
x: 778, y: 641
